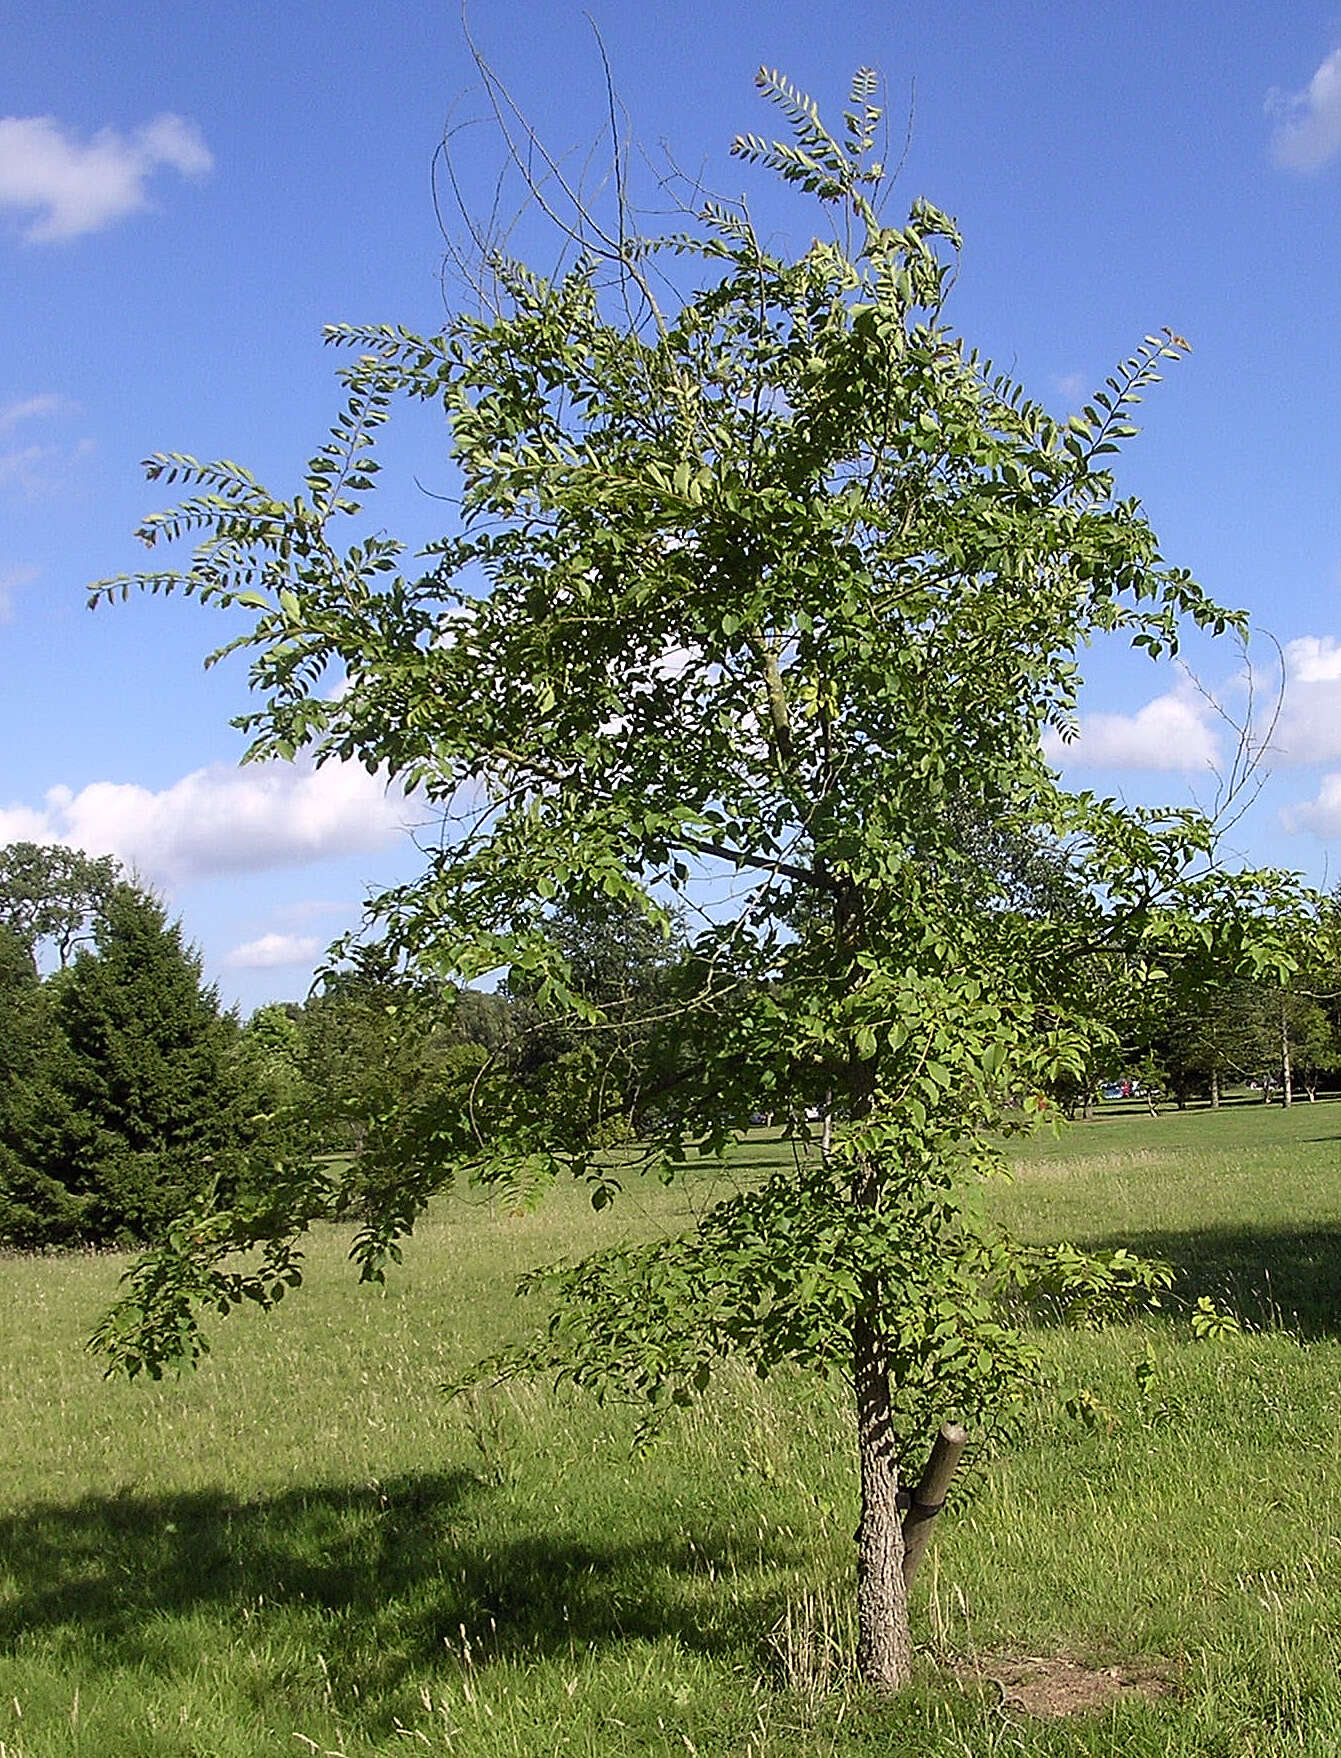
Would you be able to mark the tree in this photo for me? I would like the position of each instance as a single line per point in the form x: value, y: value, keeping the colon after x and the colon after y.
x: 1312, y: 1040
x: 53, y: 895
x: 18, y: 983
x: 1305, y: 1003
x: 774, y: 594
x: 274, y: 1040
x: 373, y: 1043
x: 486, y: 1018
x: 35, y: 1209
x: 149, y: 1105
x: 621, y: 961
x: 1192, y: 1027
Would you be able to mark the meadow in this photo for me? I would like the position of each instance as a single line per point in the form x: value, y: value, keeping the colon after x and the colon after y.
x: 304, y: 1548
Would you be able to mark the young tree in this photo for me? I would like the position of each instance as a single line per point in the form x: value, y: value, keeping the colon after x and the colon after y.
x: 773, y: 593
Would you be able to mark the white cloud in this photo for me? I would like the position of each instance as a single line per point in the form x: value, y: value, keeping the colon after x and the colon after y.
x: 1071, y: 385
x: 1307, y: 135
x: 77, y: 186
x: 219, y: 820
x: 273, y: 950
x: 1314, y: 659
x: 1323, y: 815
x: 310, y: 909
x: 11, y: 579
x: 1308, y: 729
x: 25, y: 824
x: 1170, y: 734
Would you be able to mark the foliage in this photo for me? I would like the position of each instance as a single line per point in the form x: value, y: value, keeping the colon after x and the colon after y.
x: 1089, y: 1289
x: 755, y: 1281
x: 488, y: 1019
x: 274, y: 1040
x: 767, y: 599
x: 622, y: 961
x: 52, y: 896
x: 34, y: 1207
x: 143, y: 1105
x: 1206, y: 1023
x: 367, y: 1039
x: 1315, y: 1046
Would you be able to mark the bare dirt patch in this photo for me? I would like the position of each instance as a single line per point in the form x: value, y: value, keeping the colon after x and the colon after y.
x: 1052, y: 1685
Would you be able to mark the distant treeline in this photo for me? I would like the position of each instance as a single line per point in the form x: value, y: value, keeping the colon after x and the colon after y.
x: 129, y: 1097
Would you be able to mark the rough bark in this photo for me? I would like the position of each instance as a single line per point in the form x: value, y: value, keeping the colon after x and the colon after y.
x: 884, y: 1643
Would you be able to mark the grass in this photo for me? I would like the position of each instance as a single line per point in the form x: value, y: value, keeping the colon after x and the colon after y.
x: 304, y: 1549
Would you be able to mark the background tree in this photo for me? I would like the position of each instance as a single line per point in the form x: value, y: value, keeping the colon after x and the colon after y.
x: 621, y: 956
x: 52, y: 896
x: 486, y: 1018
x: 149, y: 1106
x: 35, y: 1208
x: 1315, y: 1049
x: 1309, y: 1001
x: 1192, y: 1029
x: 373, y: 1040
x: 772, y: 592
x: 274, y: 1040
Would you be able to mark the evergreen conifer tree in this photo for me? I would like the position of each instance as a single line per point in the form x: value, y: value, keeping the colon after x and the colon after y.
x: 152, y: 1101
x: 35, y: 1208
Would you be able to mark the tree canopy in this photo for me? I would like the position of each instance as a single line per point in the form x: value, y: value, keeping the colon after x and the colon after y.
x: 764, y: 591
x: 51, y: 896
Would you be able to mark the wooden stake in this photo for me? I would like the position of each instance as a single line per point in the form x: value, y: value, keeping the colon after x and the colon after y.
x: 929, y: 1496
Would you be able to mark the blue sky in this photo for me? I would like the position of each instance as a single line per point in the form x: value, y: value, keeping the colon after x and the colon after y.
x: 187, y: 195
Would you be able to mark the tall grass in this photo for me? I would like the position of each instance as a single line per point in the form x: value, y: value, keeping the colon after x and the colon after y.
x: 304, y: 1548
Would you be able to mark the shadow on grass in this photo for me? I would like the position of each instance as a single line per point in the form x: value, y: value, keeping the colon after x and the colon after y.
x: 378, y: 1577
x: 1271, y: 1278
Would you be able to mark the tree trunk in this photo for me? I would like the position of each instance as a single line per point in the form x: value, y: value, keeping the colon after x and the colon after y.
x: 1286, y: 1076
x: 1215, y: 1089
x: 884, y: 1643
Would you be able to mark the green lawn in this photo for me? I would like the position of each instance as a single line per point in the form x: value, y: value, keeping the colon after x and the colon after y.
x: 304, y: 1549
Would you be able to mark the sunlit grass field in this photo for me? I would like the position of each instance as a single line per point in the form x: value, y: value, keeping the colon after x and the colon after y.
x: 305, y: 1548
